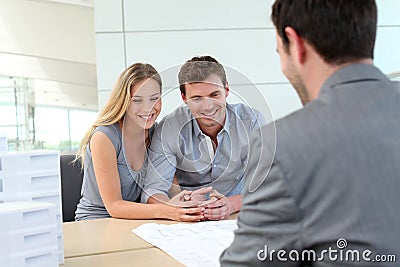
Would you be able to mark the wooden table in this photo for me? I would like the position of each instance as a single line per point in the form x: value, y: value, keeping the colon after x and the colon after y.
x: 99, y: 236
x: 148, y: 257
x: 110, y: 242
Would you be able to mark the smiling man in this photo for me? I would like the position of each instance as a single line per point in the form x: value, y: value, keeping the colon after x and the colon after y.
x: 205, y: 143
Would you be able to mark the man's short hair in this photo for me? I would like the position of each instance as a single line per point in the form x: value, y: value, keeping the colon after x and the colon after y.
x: 339, y: 30
x: 198, y: 69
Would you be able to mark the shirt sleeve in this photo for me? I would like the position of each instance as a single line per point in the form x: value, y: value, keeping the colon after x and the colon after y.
x: 161, y: 164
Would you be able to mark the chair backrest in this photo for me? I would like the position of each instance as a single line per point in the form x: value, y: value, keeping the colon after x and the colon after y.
x: 71, y: 183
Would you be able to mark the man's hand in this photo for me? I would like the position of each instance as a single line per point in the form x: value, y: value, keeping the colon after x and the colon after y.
x: 185, y: 208
x: 182, y: 200
x: 213, y: 205
x: 222, y: 207
x: 202, y: 194
x: 191, y: 199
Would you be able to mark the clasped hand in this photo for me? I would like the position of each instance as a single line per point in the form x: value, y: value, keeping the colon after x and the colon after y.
x: 216, y: 206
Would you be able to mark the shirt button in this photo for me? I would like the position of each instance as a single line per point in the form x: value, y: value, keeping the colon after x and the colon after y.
x: 215, y: 165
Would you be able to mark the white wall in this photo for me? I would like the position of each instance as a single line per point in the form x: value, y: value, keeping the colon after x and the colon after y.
x: 54, y: 45
x: 387, y: 46
x: 239, y: 34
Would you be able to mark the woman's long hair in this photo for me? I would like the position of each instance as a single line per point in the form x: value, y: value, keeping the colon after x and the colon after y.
x: 116, y: 106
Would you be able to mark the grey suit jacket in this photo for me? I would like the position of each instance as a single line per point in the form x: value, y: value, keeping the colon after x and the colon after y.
x: 330, y: 183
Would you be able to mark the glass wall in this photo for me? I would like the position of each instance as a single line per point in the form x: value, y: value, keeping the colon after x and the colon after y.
x: 28, y: 127
x: 17, y: 113
x: 62, y: 129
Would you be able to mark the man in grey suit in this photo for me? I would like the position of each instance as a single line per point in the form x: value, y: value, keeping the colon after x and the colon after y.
x: 326, y: 193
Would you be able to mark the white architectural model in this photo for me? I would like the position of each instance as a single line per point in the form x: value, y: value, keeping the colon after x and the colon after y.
x: 33, y: 176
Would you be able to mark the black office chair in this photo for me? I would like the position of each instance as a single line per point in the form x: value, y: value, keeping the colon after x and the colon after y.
x: 71, y: 183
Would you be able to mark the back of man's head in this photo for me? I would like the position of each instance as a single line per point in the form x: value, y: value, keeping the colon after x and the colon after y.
x: 198, y: 69
x: 339, y: 30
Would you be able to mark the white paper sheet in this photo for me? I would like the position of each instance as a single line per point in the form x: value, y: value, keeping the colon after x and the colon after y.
x: 198, y: 244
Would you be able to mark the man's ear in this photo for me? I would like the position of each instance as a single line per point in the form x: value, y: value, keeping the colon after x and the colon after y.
x: 184, y: 97
x: 296, y: 44
x: 227, y: 89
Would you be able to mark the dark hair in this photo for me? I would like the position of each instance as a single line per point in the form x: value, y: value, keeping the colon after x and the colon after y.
x: 339, y: 30
x: 198, y: 69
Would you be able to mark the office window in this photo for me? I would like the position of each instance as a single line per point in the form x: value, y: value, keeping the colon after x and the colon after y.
x: 62, y: 129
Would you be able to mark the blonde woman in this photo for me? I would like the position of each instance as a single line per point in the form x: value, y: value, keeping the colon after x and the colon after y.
x: 114, y: 153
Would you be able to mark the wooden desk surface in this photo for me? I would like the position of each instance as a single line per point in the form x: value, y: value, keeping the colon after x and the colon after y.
x: 148, y: 257
x: 110, y: 242
x: 99, y: 236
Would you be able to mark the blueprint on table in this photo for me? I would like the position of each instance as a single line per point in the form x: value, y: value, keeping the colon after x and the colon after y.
x: 198, y: 244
